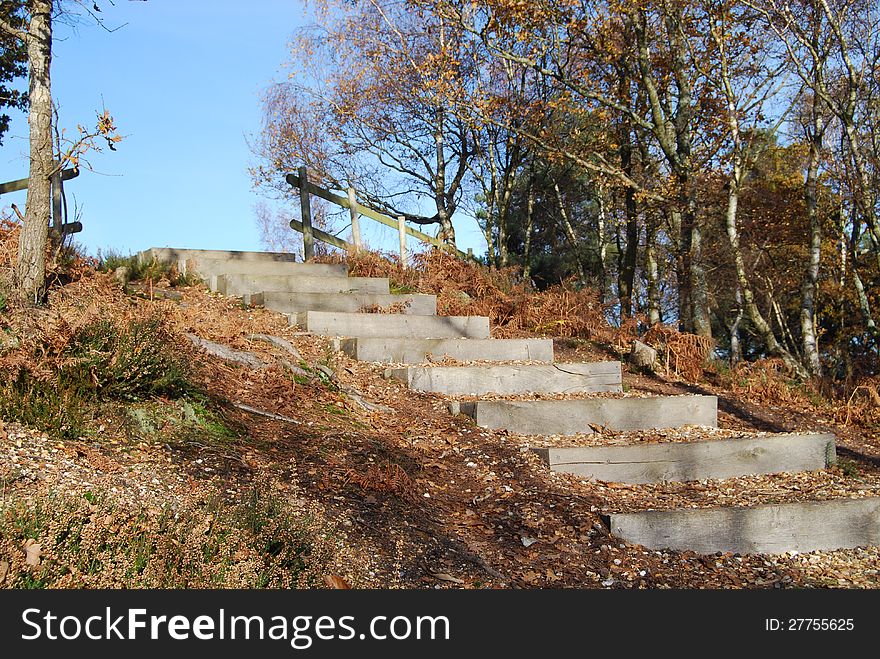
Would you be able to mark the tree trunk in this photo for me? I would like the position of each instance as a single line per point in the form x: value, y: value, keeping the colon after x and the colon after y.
x: 864, y: 303
x: 682, y: 279
x: 530, y: 221
x: 503, y: 259
x: 698, y: 288
x: 601, y: 224
x: 570, y: 233
x: 811, y: 275
x: 765, y: 331
x: 444, y: 217
x: 626, y: 279
x: 489, y: 230
x: 652, y: 272
x: 31, y: 265
x: 736, y: 355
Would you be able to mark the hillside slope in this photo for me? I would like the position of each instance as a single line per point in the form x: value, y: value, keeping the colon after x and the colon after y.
x: 304, y: 468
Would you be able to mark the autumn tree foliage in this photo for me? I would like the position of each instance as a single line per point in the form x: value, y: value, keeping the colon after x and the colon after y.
x: 711, y: 164
x: 368, y: 105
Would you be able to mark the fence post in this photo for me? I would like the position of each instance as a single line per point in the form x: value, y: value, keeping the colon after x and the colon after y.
x: 57, y: 220
x: 306, y: 210
x: 355, y: 220
x: 401, y: 229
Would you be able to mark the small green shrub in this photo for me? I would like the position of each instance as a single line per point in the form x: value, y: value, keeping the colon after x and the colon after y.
x: 142, y: 269
x: 103, y: 361
x: 124, y: 363
x: 42, y: 404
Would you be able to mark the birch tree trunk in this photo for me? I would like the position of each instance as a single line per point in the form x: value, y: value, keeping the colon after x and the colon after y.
x: 530, y: 221
x: 763, y: 328
x: 569, y: 232
x: 627, y: 272
x: 601, y: 224
x: 447, y: 231
x: 652, y: 272
x: 735, y: 347
x: 811, y: 275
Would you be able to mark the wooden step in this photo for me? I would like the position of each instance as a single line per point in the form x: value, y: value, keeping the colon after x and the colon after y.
x: 285, y: 302
x: 512, y: 379
x: 772, y: 529
x: 574, y: 416
x: 328, y: 323
x: 692, y: 461
x: 418, y: 351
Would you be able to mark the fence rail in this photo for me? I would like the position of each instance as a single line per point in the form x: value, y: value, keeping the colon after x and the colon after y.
x: 58, y: 224
x: 310, y: 233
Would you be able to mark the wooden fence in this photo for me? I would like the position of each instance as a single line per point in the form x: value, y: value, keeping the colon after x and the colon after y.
x: 310, y: 233
x: 59, y: 226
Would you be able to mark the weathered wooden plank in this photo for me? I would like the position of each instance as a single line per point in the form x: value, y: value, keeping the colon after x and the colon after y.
x: 413, y: 304
x: 296, y: 282
x: 22, y: 183
x: 323, y: 236
x: 690, y: 461
x: 401, y: 235
x: 306, y: 214
x: 328, y: 323
x: 512, y: 379
x: 209, y: 267
x: 355, y: 219
x: 573, y: 416
x: 175, y: 254
x: 809, y: 526
x: 365, y: 211
x: 418, y: 351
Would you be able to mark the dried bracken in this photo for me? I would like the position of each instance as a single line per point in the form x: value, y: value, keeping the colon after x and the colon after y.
x: 683, y: 355
x: 466, y: 288
x: 386, y: 478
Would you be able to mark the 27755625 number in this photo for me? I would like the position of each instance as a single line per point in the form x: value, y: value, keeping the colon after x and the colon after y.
x: 809, y: 624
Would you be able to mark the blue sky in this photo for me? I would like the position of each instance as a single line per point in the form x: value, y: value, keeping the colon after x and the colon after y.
x: 182, y: 80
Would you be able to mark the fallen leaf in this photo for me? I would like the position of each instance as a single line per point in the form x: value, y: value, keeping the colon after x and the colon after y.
x: 442, y: 576
x: 527, y: 542
x: 336, y: 582
x: 33, y: 550
x: 531, y: 576
x: 4, y: 568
